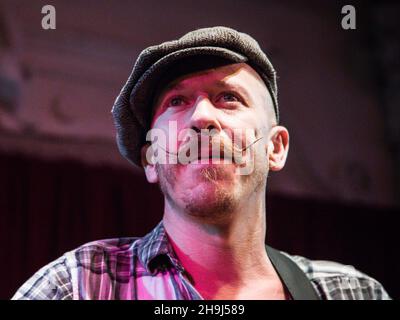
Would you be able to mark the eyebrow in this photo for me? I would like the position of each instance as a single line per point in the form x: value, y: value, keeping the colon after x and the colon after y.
x: 220, y: 84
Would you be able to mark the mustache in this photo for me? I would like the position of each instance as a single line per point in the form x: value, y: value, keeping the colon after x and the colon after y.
x: 218, y: 147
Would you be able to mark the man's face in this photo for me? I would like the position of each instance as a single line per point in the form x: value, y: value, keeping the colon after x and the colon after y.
x: 234, y: 104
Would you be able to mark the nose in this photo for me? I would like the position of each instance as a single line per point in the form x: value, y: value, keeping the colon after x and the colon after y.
x: 204, y: 115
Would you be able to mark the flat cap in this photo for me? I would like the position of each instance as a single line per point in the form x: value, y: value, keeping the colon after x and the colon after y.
x: 209, y: 47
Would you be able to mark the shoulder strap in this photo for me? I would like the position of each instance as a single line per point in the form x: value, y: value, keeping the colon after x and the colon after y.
x: 292, y: 276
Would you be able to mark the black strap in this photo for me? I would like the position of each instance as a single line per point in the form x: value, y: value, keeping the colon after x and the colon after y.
x: 293, y: 277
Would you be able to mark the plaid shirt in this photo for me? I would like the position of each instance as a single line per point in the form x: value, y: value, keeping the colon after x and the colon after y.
x: 147, y: 268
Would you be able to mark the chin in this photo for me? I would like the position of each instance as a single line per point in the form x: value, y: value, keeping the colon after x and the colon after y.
x: 209, y: 198
x: 211, y: 205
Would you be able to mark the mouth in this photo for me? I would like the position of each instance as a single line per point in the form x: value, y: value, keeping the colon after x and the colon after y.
x: 208, y: 154
x: 211, y: 153
x: 209, y: 157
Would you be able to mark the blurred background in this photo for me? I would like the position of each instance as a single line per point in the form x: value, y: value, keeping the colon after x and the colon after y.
x: 64, y: 183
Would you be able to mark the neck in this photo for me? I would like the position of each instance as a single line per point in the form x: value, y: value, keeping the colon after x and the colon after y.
x: 229, y: 254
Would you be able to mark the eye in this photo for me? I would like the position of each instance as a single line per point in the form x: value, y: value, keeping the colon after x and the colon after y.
x: 175, y: 101
x: 229, y: 97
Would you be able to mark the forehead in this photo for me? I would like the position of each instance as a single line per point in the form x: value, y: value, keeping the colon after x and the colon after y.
x: 239, y: 75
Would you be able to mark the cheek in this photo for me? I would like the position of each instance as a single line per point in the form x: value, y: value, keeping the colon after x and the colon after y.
x: 174, y: 175
x: 170, y: 114
x: 167, y: 171
x: 170, y: 122
x: 167, y: 178
x: 262, y: 155
x: 243, y: 131
x: 247, y: 118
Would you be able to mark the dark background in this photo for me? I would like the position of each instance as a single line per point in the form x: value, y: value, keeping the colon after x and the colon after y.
x: 63, y: 182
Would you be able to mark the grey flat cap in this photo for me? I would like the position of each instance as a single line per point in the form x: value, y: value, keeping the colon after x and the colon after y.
x: 133, y: 107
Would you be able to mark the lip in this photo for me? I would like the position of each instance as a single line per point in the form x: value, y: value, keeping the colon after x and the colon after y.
x: 211, y: 160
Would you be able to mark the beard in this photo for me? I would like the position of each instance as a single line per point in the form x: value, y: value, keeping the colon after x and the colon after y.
x: 214, y: 197
x: 211, y: 202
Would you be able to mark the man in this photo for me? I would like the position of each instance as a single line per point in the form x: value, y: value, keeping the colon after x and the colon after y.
x: 200, y: 115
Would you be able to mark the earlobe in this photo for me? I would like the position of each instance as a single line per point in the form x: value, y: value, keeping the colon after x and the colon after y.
x: 278, y: 148
x: 147, y: 159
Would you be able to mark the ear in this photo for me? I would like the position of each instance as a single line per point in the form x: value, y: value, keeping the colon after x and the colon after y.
x: 146, y: 155
x: 278, y: 147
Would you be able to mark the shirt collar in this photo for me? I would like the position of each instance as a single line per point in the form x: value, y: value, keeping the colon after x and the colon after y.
x: 155, y: 250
